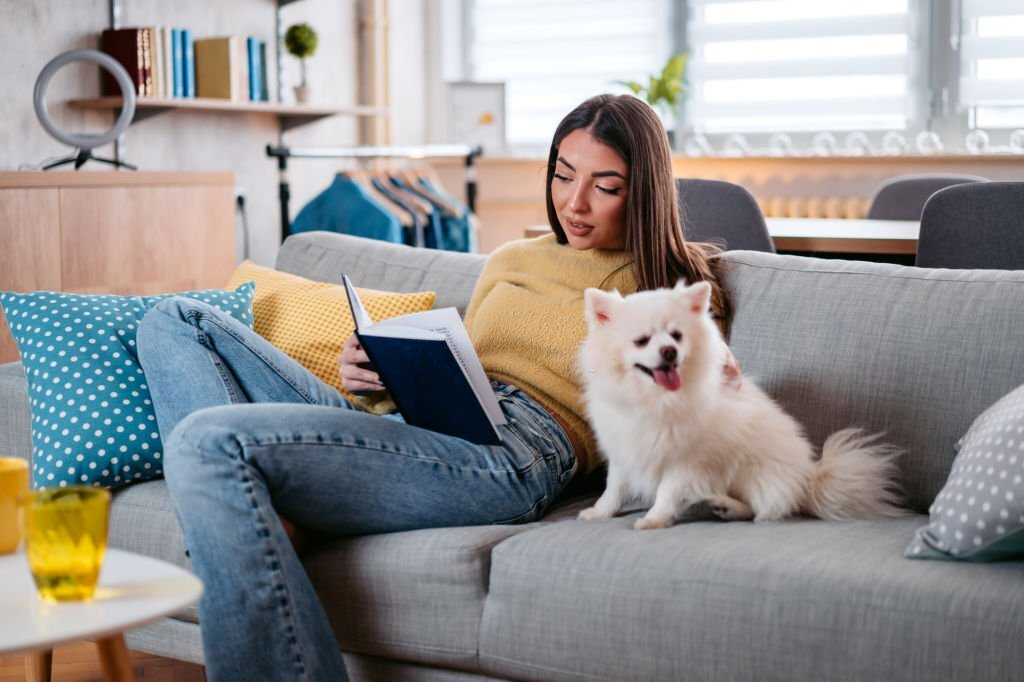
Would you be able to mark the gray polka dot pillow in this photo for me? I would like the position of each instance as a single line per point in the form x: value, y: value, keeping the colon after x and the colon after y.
x: 979, y: 514
x: 92, y: 419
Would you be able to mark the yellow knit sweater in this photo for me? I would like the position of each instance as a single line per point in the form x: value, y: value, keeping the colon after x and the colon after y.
x: 526, y: 321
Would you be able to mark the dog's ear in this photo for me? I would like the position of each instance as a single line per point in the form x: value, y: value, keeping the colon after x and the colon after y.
x: 698, y: 297
x: 598, y: 305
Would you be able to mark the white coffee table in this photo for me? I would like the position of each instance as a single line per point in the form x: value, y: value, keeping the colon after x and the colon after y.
x: 133, y: 590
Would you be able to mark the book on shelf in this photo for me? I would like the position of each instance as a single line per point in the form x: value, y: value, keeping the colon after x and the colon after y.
x: 253, y: 54
x: 264, y: 90
x: 128, y: 46
x: 159, y: 77
x: 428, y: 364
x: 177, y: 60
x: 188, y: 63
x: 216, y: 70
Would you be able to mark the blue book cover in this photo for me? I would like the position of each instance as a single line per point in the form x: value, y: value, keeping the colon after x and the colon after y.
x: 188, y: 60
x: 179, y: 66
x: 423, y: 356
x: 253, y: 46
x: 264, y: 89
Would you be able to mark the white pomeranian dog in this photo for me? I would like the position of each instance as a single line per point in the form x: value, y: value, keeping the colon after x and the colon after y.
x: 676, y: 432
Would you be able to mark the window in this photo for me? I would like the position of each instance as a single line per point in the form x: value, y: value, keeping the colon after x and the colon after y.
x: 992, y: 62
x: 553, y: 54
x: 800, y: 65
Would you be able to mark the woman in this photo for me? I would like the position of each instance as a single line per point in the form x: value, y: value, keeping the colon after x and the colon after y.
x: 250, y: 434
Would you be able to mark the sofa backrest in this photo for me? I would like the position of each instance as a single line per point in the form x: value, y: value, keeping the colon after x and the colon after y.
x: 915, y: 353
x: 372, y: 264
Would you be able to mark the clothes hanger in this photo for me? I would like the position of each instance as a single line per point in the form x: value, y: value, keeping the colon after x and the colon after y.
x: 362, y: 178
x: 419, y: 202
x: 412, y: 179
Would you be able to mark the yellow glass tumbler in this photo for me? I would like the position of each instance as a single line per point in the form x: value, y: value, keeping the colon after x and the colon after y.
x: 13, y: 484
x: 65, y: 538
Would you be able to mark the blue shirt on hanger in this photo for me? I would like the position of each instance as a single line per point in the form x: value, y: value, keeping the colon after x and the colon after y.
x: 348, y: 208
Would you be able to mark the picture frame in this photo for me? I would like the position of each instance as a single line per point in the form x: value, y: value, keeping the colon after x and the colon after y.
x: 476, y: 114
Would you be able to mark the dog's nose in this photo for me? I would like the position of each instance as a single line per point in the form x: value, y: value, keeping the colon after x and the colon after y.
x: 668, y: 353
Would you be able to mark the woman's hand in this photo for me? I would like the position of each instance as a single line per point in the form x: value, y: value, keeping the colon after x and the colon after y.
x: 355, y: 369
x: 731, y: 376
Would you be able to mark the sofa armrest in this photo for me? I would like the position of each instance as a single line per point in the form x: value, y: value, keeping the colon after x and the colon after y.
x: 15, y: 419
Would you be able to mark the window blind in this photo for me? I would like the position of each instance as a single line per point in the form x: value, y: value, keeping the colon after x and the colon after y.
x: 801, y: 65
x: 553, y: 54
x: 992, y: 61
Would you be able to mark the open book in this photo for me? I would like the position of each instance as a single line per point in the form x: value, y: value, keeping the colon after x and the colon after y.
x: 429, y: 366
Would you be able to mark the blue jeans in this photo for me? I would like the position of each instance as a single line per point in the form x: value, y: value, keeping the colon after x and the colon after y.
x: 249, y: 433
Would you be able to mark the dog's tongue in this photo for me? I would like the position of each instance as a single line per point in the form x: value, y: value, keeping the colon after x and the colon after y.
x: 667, y: 378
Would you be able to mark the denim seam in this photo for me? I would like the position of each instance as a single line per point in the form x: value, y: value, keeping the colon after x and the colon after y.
x: 553, y: 459
x: 199, y: 316
x: 249, y: 441
x: 222, y: 371
x: 285, y: 605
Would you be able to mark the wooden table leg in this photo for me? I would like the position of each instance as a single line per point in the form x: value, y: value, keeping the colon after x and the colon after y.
x: 114, y: 658
x: 38, y: 666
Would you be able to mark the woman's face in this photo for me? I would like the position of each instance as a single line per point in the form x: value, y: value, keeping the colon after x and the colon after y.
x: 589, y: 192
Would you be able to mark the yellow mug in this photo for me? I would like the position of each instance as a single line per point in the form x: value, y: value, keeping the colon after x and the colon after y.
x: 13, y: 483
x: 65, y: 539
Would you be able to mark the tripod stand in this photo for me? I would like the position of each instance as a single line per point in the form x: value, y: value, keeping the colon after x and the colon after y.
x: 82, y: 155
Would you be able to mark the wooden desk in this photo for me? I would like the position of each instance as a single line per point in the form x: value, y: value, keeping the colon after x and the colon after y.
x: 831, y: 235
x: 92, y: 232
x: 841, y: 235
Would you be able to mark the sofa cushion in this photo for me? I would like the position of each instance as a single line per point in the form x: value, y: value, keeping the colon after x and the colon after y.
x: 325, y: 256
x: 979, y: 515
x: 92, y: 418
x: 142, y: 520
x: 912, y: 352
x: 800, y: 599
x: 310, y: 320
x: 414, y: 596
x: 15, y: 419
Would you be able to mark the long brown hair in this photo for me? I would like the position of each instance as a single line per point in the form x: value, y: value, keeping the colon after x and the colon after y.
x: 654, y: 235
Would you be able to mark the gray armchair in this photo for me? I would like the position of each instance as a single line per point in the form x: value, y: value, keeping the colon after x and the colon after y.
x: 904, y: 196
x: 724, y: 213
x: 977, y: 225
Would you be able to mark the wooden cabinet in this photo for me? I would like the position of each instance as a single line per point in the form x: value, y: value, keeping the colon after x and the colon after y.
x: 114, y: 233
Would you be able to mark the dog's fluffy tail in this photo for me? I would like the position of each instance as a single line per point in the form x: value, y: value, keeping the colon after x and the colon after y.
x: 855, y: 479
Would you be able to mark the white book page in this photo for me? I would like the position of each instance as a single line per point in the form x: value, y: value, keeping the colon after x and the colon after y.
x: 359, y: 314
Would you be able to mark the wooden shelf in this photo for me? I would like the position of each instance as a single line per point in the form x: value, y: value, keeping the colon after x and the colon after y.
x: 290, y: 115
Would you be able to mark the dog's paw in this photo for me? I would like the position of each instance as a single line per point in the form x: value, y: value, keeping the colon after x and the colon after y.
x: 593, y: 514
x: 730, y: 509
x: 648, y: 522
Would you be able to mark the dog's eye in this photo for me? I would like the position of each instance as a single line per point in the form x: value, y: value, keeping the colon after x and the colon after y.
x: 677, y: 336
x: 641, y: 342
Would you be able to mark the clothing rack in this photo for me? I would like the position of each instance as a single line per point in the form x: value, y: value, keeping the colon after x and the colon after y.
x: 430, y: 151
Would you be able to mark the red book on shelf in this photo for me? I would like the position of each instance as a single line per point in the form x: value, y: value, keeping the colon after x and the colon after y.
x: 128, y: 46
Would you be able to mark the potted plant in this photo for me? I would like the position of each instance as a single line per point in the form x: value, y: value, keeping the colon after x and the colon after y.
x: 664, y: 91
x: 300, y: 40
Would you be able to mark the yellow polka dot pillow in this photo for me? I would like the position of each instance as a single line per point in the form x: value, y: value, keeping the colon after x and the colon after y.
x: 310, y: 320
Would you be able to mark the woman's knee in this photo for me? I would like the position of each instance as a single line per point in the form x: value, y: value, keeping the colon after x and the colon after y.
x: 200, y: 441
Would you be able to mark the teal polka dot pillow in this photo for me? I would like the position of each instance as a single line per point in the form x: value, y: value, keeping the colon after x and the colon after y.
x: 92, y: 418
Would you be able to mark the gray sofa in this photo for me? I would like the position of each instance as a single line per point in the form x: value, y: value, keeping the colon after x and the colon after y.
x: 915, y: 353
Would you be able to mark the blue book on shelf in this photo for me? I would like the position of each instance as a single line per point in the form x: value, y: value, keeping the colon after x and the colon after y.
x: 178, y: 66
x: 429, y: 367
x: 188, y: 59
x: 264, y: 89
x: 253, y: 46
